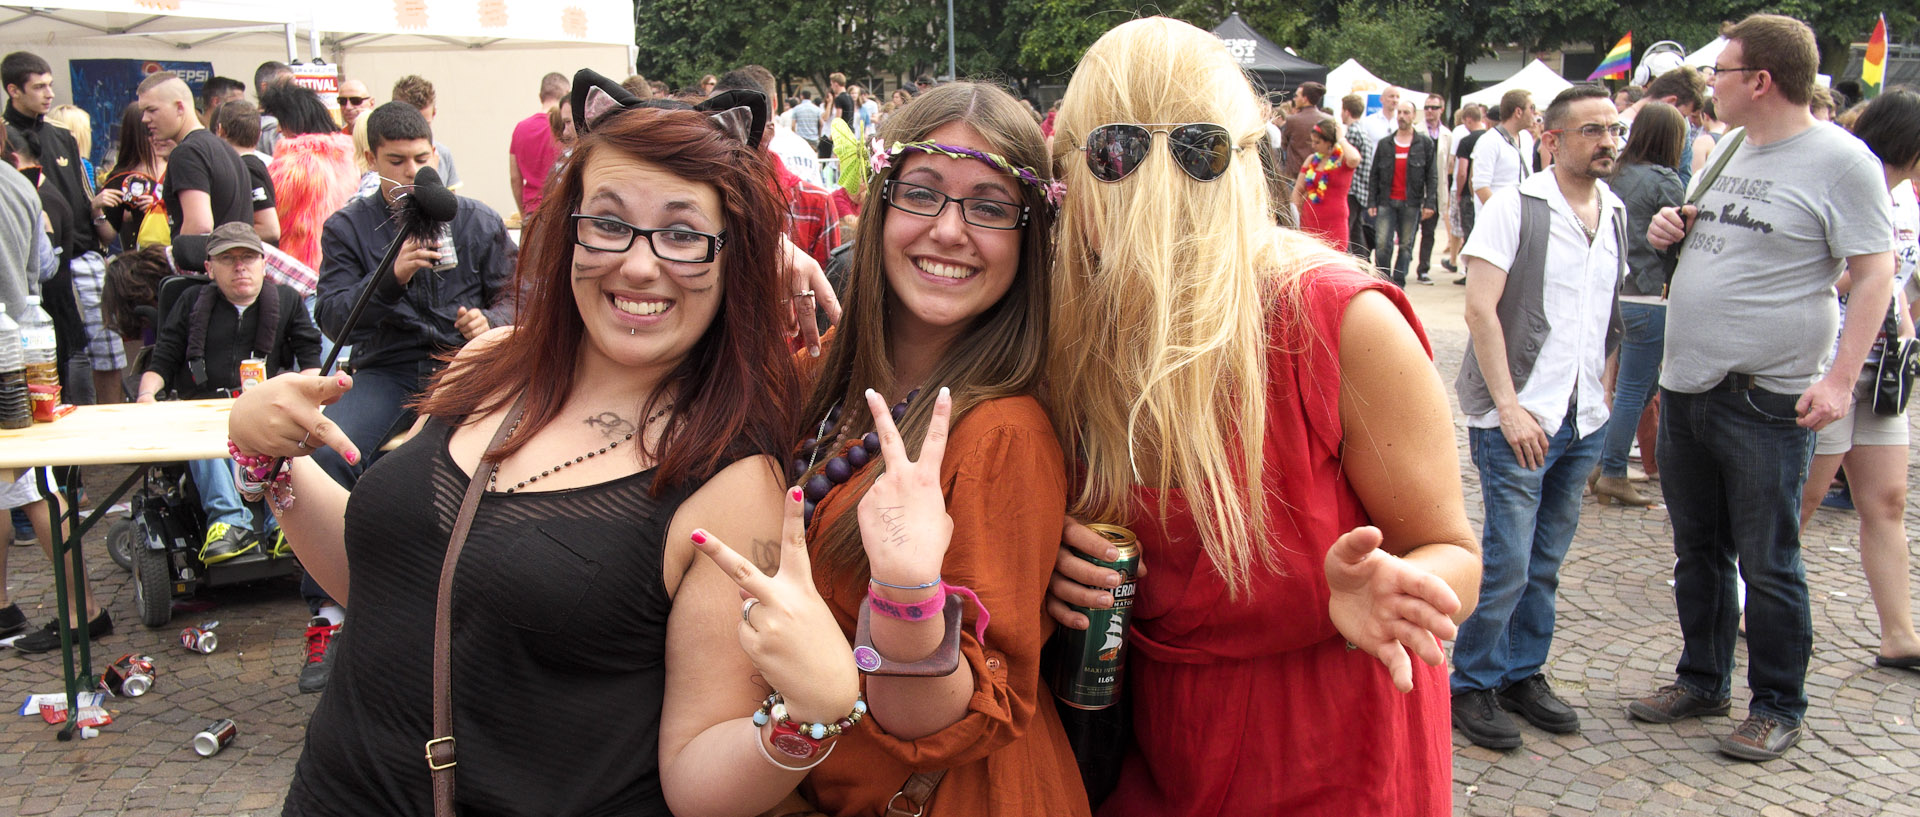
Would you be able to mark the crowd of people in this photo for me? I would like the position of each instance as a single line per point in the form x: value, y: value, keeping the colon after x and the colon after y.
x: 790, y: 572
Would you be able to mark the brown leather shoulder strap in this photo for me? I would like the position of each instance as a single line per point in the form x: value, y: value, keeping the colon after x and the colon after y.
x: 440, y: 749
x: 917, y: 792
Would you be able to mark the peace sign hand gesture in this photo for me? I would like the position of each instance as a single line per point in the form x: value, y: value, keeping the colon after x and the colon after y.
x: 903, y: 517
x: 786, y: 628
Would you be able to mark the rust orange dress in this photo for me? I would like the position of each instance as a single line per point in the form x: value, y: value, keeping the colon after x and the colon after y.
x: 1006, y: 489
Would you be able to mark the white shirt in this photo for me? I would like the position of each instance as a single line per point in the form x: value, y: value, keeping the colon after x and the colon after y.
x: 1378, y: 125
x: 1498, y: 164
x: 801, y: 157
x: 1577, y: 297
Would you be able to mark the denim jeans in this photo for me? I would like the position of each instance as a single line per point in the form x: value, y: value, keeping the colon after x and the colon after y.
x: 1428, y: 226
x: 1531, y: 517
x: 370, y: 413
x: 1395, y: 228
x: 1642, y: 343
x: 218, y: 495
x: 1359, y: 229
x: 1732, y: 464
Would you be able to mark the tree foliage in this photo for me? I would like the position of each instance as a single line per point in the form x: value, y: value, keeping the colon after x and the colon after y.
x: 1390, y: 39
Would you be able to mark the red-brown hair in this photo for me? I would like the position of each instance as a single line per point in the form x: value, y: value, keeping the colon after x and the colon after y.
x: 735, y: 392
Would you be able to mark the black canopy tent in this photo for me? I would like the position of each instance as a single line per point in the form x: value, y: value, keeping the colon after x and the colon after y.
x: 1274, y: 71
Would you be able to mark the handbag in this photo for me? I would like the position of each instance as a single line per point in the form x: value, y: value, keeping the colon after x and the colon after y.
x: 440, y: 747
x: 1893, y: 376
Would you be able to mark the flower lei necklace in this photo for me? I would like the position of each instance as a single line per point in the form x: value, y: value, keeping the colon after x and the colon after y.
x: 1319, y: 167
x: 1052, y: 190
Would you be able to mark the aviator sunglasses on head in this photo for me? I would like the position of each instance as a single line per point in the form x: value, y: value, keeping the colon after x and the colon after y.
x: 1201, y: 149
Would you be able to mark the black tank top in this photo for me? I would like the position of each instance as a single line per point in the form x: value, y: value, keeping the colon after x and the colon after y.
x: 559, y: 647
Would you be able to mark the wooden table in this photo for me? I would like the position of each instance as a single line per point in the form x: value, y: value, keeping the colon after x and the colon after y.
x: 101, y: 435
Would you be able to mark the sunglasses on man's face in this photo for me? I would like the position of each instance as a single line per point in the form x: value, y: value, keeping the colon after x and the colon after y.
x: 354, y: 101
x: 1201, y: 149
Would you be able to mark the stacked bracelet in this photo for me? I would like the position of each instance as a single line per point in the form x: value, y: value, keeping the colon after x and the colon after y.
x: 257, y: 477
x: 802, y: 740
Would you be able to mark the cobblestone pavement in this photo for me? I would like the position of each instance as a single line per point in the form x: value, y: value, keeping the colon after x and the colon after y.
x: 1618, y: 639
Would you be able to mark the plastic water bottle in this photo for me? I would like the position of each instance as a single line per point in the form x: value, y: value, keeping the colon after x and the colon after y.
x: 16, y: 408
x: 39, y: 345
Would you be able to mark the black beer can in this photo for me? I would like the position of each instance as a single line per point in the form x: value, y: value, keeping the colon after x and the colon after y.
x: 215, y: 737
x: 1086, y: 670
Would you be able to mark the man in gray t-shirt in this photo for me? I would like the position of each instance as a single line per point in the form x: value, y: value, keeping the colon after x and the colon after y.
x: 1750, y: 323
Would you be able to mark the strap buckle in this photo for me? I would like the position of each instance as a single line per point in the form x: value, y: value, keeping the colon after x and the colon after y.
x: 919, y: 808
x: 435, y: 765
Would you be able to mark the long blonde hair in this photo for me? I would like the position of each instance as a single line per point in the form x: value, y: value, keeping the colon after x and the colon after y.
x: 1163, y: 290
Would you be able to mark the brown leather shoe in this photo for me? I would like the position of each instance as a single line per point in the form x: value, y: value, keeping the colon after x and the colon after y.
x: 1759, y: 738
x: 1674, y: 703
x: 1617, y: 489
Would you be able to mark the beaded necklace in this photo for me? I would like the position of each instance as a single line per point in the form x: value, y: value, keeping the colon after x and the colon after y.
x: 564, y: 464
x: 838, y: 469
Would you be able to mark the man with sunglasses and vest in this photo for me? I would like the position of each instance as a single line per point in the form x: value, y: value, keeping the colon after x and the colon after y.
x: 1783, y: 210
x: 203, y: 339
x: 1543, y: 310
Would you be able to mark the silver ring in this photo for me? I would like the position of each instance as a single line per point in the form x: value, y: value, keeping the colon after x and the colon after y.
x: 746, y: 609
x: 805, y: 293
x: 303, y: 444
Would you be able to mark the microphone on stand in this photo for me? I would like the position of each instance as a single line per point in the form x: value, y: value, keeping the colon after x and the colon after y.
x: 423, y: 208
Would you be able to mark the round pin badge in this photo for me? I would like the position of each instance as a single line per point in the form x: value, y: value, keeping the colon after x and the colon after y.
x: 866, y: 658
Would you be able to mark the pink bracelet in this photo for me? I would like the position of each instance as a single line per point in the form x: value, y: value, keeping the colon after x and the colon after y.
x: 930, y: 608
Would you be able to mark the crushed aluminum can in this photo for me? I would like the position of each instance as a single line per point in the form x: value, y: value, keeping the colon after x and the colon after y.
x: 215, y: 737
x: 201, y: 639
x: 130, y: 676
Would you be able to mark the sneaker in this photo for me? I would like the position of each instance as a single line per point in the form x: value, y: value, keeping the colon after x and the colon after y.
x: 1839, y: 499
x: 1532, y: 698
x: 22, y: 529
x: 1759, y: 738
x: 1448, y: 265
x: 277, y: 544
x: 12, y: 621
x: 224, y: 542
x: 47, y: 639
x: 1478, y: 716
x: 313, y: 676
x: 1674, y: 703
x: 1425, y: 279
x: 1460, y: 281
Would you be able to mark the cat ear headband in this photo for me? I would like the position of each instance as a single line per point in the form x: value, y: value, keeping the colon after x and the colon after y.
x: 739, y: 112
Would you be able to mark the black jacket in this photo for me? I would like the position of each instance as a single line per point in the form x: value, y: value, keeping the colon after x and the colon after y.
x: 230, y: 338
x: 1420, y: 183
x: 60, y: 161
x: 405, y: 325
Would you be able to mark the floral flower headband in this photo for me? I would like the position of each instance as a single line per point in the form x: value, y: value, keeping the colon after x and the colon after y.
x: 1053, y: 190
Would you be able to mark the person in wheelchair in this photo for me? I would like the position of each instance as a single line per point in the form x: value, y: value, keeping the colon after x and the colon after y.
x: 203, y: 339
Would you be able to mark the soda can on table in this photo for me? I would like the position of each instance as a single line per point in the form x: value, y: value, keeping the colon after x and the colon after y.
x: 201, y: 639
x: 215, y: 737
x: 130, y: 676
x: 253, y: 372
x: 1092, y: 661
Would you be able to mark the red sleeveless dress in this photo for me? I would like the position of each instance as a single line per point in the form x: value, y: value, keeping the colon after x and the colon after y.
x: 1255, y: 706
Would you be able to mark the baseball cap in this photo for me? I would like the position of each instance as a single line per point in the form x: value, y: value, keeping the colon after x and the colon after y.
x: 230, y: 235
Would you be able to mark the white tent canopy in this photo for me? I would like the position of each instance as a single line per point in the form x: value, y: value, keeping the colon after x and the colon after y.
x: 1704, y: 57
x: 484, y: 57
x: 1544, y: 82
x: 1353, y: 78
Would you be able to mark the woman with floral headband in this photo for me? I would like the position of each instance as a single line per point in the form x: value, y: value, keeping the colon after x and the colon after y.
x: 647, y: 390
x: 1321, y: 194
x: 937, y: 569
x: 1267, y: 419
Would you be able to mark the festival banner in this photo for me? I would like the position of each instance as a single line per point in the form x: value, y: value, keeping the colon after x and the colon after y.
x: 104, y: 88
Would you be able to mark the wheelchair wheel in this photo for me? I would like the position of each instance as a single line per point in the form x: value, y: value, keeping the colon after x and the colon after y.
x: 122, y: 537
x: 153, y: 586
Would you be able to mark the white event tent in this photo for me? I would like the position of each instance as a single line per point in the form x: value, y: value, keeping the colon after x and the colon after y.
x: 1544, y: 82
x: 1353, y: 78
x: 484, y: 57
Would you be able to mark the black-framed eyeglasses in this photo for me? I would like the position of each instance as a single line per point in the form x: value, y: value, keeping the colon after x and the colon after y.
x: 921, y: 200
x: 607, y: 234
x: 1717, y: 70
x: 1201, y: 149
x: 1595, y: 130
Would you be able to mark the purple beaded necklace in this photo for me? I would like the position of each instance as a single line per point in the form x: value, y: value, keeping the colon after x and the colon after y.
x: 838, y: 469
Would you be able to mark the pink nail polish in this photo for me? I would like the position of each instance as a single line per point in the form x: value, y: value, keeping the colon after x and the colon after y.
x: 795, y: 493
x: 342, y: 381
x: 352, y: 458
x: 699, y: 537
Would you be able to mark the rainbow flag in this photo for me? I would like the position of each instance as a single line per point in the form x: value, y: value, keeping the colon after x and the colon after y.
x: 1618, y: 63
x: 1873, y: 68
